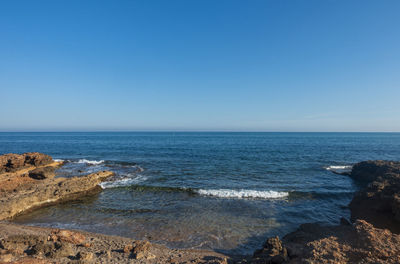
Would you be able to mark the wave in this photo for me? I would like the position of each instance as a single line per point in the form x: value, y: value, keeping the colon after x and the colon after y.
x: 125, y: 182
x: 227, y: 193
x: 339, y: 167
x: 221, y: 193
x: 90, y: 162
x: 58, y: 160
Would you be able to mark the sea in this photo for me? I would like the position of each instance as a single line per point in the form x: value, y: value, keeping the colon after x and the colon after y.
x: 222, y: 191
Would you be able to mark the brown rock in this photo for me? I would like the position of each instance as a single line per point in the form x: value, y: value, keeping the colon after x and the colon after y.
x: 85, y: 256
x: 42, y: 173
x: 141, y: 250
x: 378, y: 202
x: 37, y: 159
x: 11, y: 162
x: 128, y: 248
x: 67, y: 236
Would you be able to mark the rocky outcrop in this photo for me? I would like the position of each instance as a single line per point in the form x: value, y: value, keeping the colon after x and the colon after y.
x: 378, y: 201
x: 373, y: 237
x: 28, y: 182
x: 14, y: 162
x: 24, y: 244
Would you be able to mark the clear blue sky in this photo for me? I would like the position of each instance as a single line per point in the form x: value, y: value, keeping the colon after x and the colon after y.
x: 200, y: 65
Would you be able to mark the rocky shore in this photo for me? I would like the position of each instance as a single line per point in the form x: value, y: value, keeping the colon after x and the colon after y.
x: 28, y: 181
x: 371, y: 235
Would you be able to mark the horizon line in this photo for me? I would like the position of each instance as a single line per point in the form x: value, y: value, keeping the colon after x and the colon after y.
x: 183, y: 131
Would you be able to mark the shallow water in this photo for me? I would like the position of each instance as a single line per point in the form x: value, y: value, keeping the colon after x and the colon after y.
x: 221, y: 191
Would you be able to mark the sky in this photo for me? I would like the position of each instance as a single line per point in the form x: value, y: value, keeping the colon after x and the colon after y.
x: 200, y: 65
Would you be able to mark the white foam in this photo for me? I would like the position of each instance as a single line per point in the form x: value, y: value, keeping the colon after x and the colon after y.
x: 123, y: 182
x: 91, y: 162
x: 226, y: 193
x: 339, y: 167
x: 58, y: 160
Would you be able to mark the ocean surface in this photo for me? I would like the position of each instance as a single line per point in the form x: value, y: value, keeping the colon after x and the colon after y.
x: 220, y: 191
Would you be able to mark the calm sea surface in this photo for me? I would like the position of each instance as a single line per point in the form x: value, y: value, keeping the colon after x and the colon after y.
x: 221, y: 191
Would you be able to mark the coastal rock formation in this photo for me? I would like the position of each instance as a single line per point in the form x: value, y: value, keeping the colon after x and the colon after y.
x: 24, y: 244
x: 13, y: 162
x: 373, y: 237
x: 378, y: 202
x: 28, y: 182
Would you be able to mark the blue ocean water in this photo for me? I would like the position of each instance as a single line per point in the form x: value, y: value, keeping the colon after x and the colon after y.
x: 221, y: 191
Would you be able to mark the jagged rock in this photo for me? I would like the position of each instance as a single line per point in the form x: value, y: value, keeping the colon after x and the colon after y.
x: 49, y: 191
x: 372, y: 241
x: 368, y: 171
x: 140, y: 250
x: 37, y: 159
x: 13, y: 162
x: 272, y: 252
x: 378, y: 202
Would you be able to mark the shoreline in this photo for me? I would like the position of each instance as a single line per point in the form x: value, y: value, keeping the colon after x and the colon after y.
x: 28, y: 182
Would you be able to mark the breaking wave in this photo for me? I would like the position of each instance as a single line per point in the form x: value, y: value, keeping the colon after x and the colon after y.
x: 90, y: 162
x: 339, y: 167
x: 221, y: 193
x: 226, y: 193
x: 123, y: 182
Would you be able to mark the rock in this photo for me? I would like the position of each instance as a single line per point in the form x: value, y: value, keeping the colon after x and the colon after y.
x: 49, y: 191
x: 6, y: 258
x: 378, y: 202
x: 128, y: 248
x: 11, y: 162
x: 141, y: 250
x: 62, y: 250
x: 85, y: 256
x: 36, y: 159
x: 368, y: 171
x: 344, y: 221
x: 67, y: 236
x: 42, y: 173
x: 272, y: 252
